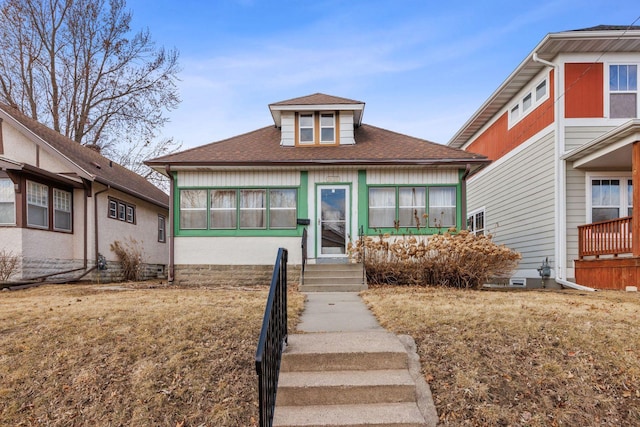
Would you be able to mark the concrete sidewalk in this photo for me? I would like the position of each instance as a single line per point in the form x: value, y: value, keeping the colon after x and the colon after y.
x: 344, y: 369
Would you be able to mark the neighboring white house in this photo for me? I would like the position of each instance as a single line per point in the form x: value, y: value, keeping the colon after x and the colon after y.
x: 564, y: 137
x: 316, y: 167
x: 62, y: 204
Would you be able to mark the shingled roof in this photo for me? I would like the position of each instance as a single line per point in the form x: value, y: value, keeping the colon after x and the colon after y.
x: 97, y: 167
x: 374, y: 146
x: 317, y: 99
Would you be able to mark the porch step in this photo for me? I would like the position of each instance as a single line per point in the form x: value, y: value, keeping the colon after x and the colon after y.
x: 404, y: 414
x: 345, y: 387
x: 333, y: 278
x: 352, y: 379
x: 343, y: 351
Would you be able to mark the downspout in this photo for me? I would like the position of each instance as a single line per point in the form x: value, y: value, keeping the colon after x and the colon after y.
x: 95, y: 218
x: 560, y: 169
x: 463, y: 184
x: 170, y: 273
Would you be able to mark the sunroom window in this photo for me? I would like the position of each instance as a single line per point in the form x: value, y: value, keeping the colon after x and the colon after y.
x: 282, y: 208
x: 411, y: 209
x: 193, y: 209
x: 382, y: 207
x: 442, y: 207
x: 253, y: 209
x: 223, y: 209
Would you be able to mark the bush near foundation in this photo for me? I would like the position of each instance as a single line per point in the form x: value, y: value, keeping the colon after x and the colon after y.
x: 130, y: 255
x: 461, y: 260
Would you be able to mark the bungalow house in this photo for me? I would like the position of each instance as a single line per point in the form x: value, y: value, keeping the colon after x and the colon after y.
x: 563, y: 133
x: 317, y: 177
x: 63, y: 204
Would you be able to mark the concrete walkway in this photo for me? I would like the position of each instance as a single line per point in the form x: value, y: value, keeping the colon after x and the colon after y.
x: 340, y: 336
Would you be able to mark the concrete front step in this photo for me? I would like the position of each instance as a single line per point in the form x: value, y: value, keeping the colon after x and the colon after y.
x: 345, y: 387
x: 333, y: 287
x: 343, y: 351
x: 378, y: 415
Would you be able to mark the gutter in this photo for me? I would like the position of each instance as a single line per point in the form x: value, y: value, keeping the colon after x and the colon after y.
x: 463, y: 190
x: 169, y: 227
x: 95, y: 218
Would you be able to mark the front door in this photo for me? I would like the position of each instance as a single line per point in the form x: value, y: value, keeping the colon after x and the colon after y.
x: 333, y: 220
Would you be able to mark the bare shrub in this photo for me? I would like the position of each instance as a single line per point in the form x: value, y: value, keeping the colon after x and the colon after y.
x: 461, y: 260
x: 8, y: 264
x: 130, y: 255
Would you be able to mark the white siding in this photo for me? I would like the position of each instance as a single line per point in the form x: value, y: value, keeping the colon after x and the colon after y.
x: 412, y: 176
x: 576, y: 214
x: 518, y: 198
x: 287, y: 129
x: 236, y: 178
x: 346, y: 128
x: 577, y: 136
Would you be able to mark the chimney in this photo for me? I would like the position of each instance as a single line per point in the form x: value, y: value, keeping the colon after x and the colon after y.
x: 94, y: 147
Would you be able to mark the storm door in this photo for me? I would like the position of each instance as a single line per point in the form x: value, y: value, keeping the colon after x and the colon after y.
x: 332, y: 220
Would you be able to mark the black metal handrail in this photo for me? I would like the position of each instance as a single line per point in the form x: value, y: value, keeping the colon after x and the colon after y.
x: 304, y: 253
x: 273, y: 338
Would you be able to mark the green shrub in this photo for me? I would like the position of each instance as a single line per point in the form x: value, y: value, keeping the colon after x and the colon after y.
x: 461, y: 260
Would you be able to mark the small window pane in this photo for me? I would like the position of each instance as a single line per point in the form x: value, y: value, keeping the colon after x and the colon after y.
x: 306, y: 127
x: 193, y: 209
x: 162, y: 229
x: 282, y: 208
x: 113, y: 209
x: 223, y: 209
x: 442, y: 207
x: 623, y: 105
x: 61, y: 210
x: 412, y: 206
x: 515, y: 112
x: 122, y: 211
x: 541, y: 90
x: 604, y: 214
x: 37, y: 205
x: 131, y: 214
x: 382, y: 207
x: 7, y: 202
x: 326, y: 135
x: 526, y: 102
x: 253, y: 211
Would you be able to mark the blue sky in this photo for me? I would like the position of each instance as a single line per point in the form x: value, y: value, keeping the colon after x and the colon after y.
x: 421, y: 67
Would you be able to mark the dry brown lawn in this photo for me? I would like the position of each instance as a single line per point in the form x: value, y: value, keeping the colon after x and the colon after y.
x: 89, y: 355
x: 529, y: 358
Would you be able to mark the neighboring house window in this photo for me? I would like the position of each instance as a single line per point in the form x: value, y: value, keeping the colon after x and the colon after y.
x: 113, y: 209
x: 37, y: 205
x: 122, y: 211
x: 533, y: 96
x: 407, y: 206
x: 282, y: 208
x: 306, y: 128
x: 7, y: 202
x: 253, y: 209
x: 162, y: 229
x: 611, y: 198
x: 327, y: 128
x: 61, y: 210
x: 223, y: 209
x: 193, y: 209
x: 442, y: 206
x: 623, y: 91
x: 475, y: 222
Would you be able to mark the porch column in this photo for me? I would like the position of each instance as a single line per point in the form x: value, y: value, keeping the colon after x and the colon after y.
x: 635, y: 224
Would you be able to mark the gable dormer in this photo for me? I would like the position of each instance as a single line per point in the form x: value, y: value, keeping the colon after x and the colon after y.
x: 317, y: 120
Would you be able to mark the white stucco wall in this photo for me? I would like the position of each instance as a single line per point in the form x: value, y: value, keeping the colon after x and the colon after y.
x: 235, y: 250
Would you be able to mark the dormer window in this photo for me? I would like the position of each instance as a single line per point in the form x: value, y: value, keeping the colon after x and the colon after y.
x: 306, y: 128
x: 327, y: 128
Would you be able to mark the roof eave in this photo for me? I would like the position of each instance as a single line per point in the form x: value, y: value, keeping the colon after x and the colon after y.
x: 142, y: 196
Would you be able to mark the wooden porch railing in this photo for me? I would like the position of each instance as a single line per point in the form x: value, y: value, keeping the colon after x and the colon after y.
x: 605, y: 238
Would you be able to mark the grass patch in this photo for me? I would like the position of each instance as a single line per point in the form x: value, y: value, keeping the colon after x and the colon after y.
x: 532, y: 358
x: 78, y: 355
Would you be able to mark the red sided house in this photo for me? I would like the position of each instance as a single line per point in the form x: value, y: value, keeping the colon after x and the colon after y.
x: 234, y: 202
x: 563, y: 133
x: 63, y: 204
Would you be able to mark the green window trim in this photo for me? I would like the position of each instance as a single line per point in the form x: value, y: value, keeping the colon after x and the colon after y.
x: 269, y: 228
x: 426, y: 227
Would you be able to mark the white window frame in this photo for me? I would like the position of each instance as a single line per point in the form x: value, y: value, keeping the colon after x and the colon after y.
x: 37, y: 200
x: 608, y: 91
x: 517, y: 110
x: 11, y: 199
x: 473, y: 215
x: 313, y: 128
x: 624, y: 203
x: 113, y: 209
x: 162, y: 229
x: 333, y: 126
x: 62, y: 202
